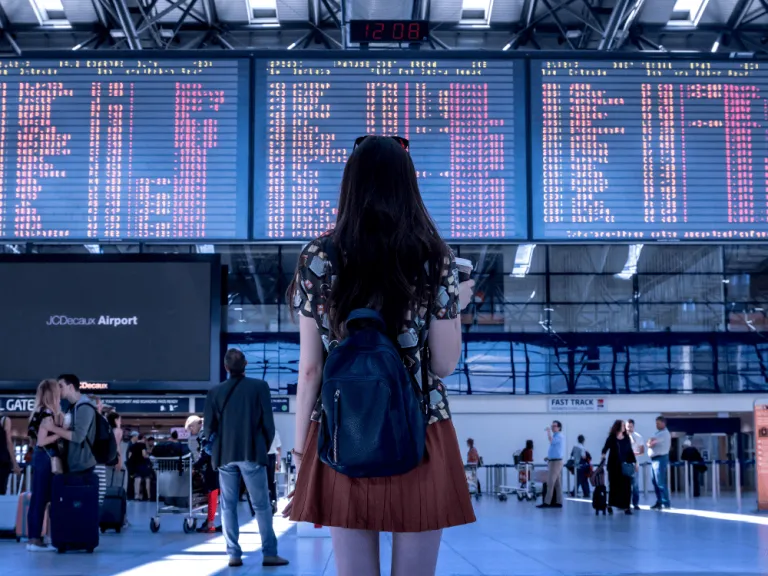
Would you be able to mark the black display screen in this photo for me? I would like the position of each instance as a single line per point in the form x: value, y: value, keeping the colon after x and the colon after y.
x: 151, y: 320
x: 364, y: 31
x: 465, y: 120
x: 649, y: 150
x: 124, y: 148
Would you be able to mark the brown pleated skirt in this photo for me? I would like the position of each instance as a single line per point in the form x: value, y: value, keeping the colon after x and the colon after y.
x: 431, y: 497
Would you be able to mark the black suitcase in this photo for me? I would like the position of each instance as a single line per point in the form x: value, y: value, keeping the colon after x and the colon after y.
x: 113, y: 510
x: 75, y: 512
x: 600, y: 500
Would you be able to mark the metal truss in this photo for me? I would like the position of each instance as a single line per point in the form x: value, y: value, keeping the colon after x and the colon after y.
x: 543, y: 25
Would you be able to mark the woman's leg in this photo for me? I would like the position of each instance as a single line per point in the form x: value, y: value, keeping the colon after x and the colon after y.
x: 356, y: 552
x: 42, y: 479
x: 148, y: 486
x: 137, y: 488
x: 415, y: 553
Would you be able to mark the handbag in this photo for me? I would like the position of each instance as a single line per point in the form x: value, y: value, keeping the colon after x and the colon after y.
x: 628, y: 469
x: 57, y: 466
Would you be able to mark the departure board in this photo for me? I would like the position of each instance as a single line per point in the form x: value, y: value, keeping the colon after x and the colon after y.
x: 464, y: 120
x: 649, y: 150
x: 114, y: 149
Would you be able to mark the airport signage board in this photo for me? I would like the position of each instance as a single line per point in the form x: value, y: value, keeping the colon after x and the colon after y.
x: 149, y: 404
x: 281, y: 405
x: 575, y: 404
x: 17, y: 404
x: 761, y: 452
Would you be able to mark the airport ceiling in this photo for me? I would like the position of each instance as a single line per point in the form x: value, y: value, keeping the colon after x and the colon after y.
x: 730, y: 26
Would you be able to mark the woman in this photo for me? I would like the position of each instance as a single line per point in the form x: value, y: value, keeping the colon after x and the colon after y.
x: 619, y: 449
x: 473, y: 458
x: 384, y: 253
x: 202, y: 460
x: 527, y: 453
x: 140, y: 466
x: 117, y: 472
x: 47, y: 414
x: 526, y: 457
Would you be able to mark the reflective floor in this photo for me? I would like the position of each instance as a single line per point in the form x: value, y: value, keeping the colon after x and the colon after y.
x: 510, y: 539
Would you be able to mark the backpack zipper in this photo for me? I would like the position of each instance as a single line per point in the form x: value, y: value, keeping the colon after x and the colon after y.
x: 336, y: 397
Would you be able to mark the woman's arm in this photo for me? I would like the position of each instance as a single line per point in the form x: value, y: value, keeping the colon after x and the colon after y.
x: 46, y: 436
x: 310, y: 378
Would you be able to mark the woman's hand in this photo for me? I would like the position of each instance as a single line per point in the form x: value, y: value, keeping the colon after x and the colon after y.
x: 466, y: 290
x: 289, y: 506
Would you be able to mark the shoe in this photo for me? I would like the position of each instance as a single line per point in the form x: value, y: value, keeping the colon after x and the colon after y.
x: 637, y: 507
x: 36, y: 548
x: 628, y: 512
x: 274, y: 508
x: 610, y: 510
x: 656, y: 506
x: 203, y: 529
x: 235, y: 562
x: 543, y: 506
x: 556, y: 506
x: 274, y: 561
x: 218, y: 529
x: 667, y: 506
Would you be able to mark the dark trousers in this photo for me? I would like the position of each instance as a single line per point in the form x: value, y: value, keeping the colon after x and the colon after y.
x: 271, y: 465
x: 697, y: 474
x: 42, y: 483
x: 5, y: 473
x: 582, y: 479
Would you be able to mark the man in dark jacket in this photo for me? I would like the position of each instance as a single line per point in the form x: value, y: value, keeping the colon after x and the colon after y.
x: 240, y: 426
x: 692, y: 456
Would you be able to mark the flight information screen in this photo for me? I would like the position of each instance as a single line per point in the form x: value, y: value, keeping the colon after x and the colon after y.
x: 464, y: 120
x: 649, y: 150
x: 112, y: 149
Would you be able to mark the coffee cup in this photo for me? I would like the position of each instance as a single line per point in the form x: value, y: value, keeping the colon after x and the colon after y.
x: 465, y: 268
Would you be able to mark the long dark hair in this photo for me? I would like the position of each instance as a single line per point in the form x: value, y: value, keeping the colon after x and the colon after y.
x: 616, y: 428
x: 389, y: 254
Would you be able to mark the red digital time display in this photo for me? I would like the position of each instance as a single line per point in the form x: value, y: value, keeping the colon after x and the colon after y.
x: 366, y: 31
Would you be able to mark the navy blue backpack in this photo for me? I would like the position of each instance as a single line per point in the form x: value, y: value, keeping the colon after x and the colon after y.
x: 374, y: 419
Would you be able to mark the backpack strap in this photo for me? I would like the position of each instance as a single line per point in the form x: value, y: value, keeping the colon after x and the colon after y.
x: 74, y: 417
x: 366, y: 314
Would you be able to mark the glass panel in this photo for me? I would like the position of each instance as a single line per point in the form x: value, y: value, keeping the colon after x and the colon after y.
x: 275, y: 362
x: 686, y: 317
x: 593, y: 318
x: 490, y: 367
x: 743, y: 367
x: 589, y: 288
x: 591, y: 259
x: 501, y: 259
x: 750, y: 258
x: 681, y: 288
x: 680, y: 259
x: 169, y: 249
x: 242, y: 318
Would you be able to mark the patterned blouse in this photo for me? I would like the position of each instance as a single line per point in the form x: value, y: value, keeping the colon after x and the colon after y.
x: 315, y: 278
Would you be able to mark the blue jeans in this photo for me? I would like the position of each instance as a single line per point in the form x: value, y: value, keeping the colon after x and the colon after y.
x: 659, y: 466
x: 42, y: 484
x: 582, y: 479
x: 255, y: 477
x: 636, y: 489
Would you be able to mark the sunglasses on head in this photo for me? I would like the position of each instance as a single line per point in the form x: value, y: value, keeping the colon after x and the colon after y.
x: 402, y: 141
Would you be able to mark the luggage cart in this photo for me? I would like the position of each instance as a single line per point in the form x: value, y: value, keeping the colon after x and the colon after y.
x: 470, y: 470
x: 496, y: 481
x: 196, y: 498
x: 527, y: 488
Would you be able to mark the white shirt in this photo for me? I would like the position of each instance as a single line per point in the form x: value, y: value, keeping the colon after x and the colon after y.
x: 663, y: 443
x: 637, y: 444
x: 276, y: 443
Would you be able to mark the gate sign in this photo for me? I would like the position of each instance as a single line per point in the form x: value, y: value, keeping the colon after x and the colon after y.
x: 10, y: 404
x: 576, y: 404
x: 761, y: 452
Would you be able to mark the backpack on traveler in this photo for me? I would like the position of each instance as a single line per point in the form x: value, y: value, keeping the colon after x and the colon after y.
x: 104, y: 446
x: 374, y: 419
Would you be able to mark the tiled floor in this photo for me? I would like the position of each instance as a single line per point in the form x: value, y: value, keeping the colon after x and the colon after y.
x: 509, y: 539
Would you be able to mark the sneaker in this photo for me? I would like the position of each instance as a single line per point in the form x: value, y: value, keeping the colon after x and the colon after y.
x: 235, y: 562
x: 656, y: 506
x: 274, y: 561
x: 36, y: 548
x: 667, y: 506
x: 637, y: 507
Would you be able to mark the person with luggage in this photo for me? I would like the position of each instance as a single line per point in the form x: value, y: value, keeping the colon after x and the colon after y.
x: 140, y: 466
x: 385, y: 275
x: 622, y: 466
x: 240, y: 428
x: 8, y: 463
x: 203, y: 466
x: 45, y: 458
x: 581, y: 466
x: 473, y: 459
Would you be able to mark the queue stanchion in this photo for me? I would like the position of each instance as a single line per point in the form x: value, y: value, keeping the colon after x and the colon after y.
x: 687, y: 475
x: 715, y: 466
x: 669, y: 477
x: 737, y: 479
x: 646, y: 465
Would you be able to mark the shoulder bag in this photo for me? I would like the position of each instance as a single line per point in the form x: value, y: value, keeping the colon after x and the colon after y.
x: 214, y: 438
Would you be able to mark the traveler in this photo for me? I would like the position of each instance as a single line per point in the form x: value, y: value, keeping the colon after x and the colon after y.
x: 473, y: 459
x: 45, y: 458
x: 139, y: 466
x: 8, y: 463
x: 202, y: 465
x: 622, y: 465
x: 82, y: 432
x: 527, y: 454
x: 240, y: 427
x: 526, y: 457
x: 693, y: 457
x: 638, y: 447
x: 658, y: 449
x: 554, y: 495
x: 385, y: 254
x: 581, y: 467
x: 274, y: 457
x: 116, y: 473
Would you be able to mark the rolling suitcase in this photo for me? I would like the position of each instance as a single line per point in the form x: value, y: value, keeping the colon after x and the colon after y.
x: 600, y: 500
x: 8, y: 509
x: 113, y: 509
x: 75, y: 512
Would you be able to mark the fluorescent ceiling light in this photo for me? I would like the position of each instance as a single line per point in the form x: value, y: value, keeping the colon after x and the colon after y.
x: 263, y: 11
x: 523, y: 259
x: 630, y: 266
x: 716, y: 46
x: 687, y: 12
x: 50, y: 12
x: 474, y: 11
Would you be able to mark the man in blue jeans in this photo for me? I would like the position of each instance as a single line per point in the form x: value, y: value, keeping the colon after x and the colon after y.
x: 240, y: 429
x: 658, y: 449
x: 638, y: 447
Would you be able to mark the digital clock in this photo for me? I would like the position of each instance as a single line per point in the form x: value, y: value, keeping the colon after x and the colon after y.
x: 367, y: 31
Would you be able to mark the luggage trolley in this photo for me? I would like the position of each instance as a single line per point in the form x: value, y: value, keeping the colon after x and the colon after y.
x: 470, y: 470
x: 194, y: 505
